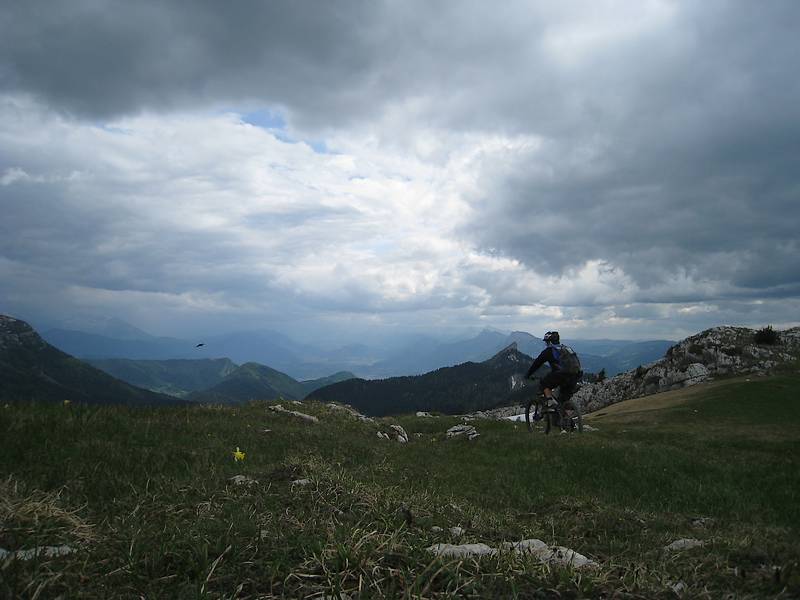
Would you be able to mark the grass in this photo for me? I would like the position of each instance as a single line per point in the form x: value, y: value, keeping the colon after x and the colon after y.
x: 145, y: 498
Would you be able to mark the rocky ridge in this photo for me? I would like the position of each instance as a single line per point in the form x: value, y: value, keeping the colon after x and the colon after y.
x: 714, y: 352
x: 15, y: 334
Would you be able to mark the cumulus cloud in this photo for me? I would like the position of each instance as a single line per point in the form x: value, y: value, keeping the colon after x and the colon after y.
x: 606, y: 166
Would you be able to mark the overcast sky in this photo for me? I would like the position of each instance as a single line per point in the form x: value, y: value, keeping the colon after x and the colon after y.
x: 344, y: 169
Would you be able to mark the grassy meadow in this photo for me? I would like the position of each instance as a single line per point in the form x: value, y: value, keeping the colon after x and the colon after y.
x: 145, y: 499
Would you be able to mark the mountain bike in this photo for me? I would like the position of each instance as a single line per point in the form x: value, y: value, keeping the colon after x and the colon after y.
x: 549, y: 415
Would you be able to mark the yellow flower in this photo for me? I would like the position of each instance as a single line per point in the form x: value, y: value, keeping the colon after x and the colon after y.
x: 67, y: 402
x: 238, y: 455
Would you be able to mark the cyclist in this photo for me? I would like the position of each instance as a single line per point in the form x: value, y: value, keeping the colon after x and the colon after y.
x: 565, y: 368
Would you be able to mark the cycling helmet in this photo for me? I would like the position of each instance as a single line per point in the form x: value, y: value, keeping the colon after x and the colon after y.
x: 551, y: 337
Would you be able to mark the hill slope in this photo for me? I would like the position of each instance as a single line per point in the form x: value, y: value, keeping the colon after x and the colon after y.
x: 176, y: 377
x: 451, y: 390
x: 719, y: 351
x: 32, y: 369
x: 253, y: 381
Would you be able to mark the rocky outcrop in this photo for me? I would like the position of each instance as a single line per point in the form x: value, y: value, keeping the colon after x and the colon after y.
x: 714, y: 352
x: 37, y: 552
x: 16, y: 334
x: 500, y: 413
x: 393, y: 431
x: 279, y: 409
x: 349, y: 410
x: 554, y: 555
x: 465, y: 430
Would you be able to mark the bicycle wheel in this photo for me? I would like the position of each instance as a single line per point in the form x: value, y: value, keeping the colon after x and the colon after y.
x: 532, y: 415
x: 571, y: 411
x: 551, y: 420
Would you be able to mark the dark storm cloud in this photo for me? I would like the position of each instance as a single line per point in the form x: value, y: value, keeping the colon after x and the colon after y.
x: 105, y: 58
x: 697, y: 176
x: 660, y: 138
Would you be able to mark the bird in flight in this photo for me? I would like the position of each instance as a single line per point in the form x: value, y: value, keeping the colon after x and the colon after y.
x: 200, y: 344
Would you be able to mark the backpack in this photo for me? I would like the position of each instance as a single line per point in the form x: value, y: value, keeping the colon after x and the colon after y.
x: 568, y: 361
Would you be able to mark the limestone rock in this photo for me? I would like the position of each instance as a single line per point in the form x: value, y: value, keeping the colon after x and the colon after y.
x: 683, y: 544
x: 566, y: 557
x: 40, y: 551
x: 401, y: 434
x: 679, y: 588
x: 461, y: 551
x: 555, y: 555
x: 533, y: 546
x: 466, y: 430
x: 279, y: 409
x: 699, y: 358
x: 350, y: 411
x: 242, y: 480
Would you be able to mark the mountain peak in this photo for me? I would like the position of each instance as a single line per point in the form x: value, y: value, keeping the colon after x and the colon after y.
x: 509, y: 354
x: 15, y: 333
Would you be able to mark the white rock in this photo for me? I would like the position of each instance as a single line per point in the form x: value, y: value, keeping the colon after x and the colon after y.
x: 683, y: 544
x: 456, y: 531
x: 566, y: 557
x: 590, y: 428
x: 41, y: 551
x: 436, y: 529
x: 531, y: 546
x: 679, y: 588
x: 310, y: 418
x: 402, y: 436
x: 461, y: 551
x: 382, y: 436
x: 349, y: 410
x: 457, y: 430
x: 242, y: 480
x: 422, y: 413
x: 301, y: 482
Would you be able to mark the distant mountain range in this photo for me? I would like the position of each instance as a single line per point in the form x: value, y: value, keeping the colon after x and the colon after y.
x: 302, y: 361
x: 217, y: 380
x: 33, y: 370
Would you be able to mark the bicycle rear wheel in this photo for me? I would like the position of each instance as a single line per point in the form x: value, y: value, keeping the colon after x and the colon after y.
x: 550, y: 420
x: 533, y: 415
x: 571, y: 412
